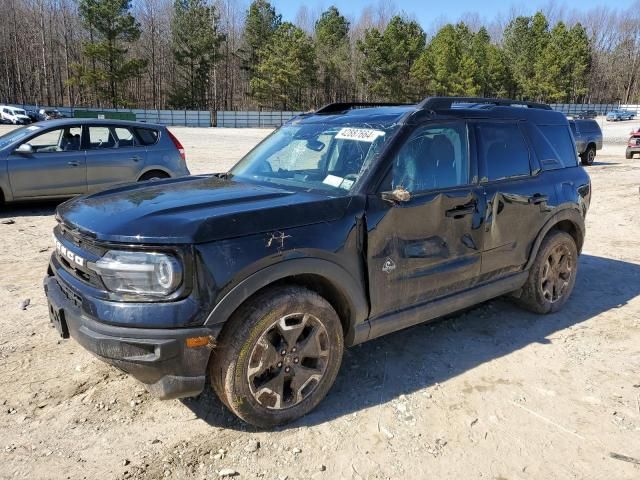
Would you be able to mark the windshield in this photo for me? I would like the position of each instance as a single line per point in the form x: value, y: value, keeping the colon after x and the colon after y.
x: 17, y: 134
x: 314, y: 156
x: 19, y: 112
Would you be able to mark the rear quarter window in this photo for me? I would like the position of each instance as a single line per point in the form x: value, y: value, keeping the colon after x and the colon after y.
x: 554, y: 145
x: 147, y: 136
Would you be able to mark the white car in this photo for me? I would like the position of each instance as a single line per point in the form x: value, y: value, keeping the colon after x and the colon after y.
x: 13, y: 115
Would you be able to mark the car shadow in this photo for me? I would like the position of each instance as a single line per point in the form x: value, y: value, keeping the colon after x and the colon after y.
x: 29, y: 209
x: 381, y: 370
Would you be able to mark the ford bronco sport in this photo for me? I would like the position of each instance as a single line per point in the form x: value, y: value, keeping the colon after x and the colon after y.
x: 343, y: 225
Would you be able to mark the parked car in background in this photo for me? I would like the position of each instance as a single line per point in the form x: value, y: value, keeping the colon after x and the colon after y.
x: 67, y: 157
x: 50, y: 114
x: 34, y: 116
x: 586, y: 114
x: 257, y: 279
x: 588, y: 137
x: 618, y: 115
x: 633, y: 145
x: 14, y: 115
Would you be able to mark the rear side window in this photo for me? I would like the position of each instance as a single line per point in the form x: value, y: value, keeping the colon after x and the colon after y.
x: 503, y: 151
x: 554, y: 146
x: 101, y: 137
x: 147, y: 136
x: 125, y: 137
x: 589, y: 126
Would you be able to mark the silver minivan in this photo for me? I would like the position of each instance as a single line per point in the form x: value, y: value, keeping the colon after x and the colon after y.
x: 67, y: 157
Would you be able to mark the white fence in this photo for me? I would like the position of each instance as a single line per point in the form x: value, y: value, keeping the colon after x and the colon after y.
x: 230, y: 119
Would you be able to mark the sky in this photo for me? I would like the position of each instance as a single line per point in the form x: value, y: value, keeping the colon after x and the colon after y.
x: 429, y: 11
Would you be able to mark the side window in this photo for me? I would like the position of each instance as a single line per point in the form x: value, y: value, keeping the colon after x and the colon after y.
x: 503, y: 151
x: 553, y: 145
x: 434, y: 157
x: 125, y: 138
x: 100, y: 137
x: 560, y: 140
x: 59, y: 140
x: 147, y: 136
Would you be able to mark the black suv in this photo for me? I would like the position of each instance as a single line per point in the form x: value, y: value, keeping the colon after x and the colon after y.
x: 343, y: 225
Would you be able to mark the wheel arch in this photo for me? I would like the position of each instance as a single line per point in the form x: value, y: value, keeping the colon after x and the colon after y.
x: 568, y: 220
x: 331, y: 281
x: 154, y: 168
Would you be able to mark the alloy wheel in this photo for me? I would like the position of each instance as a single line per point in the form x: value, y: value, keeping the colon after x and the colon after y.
x: 288, y: 361
x: 556, y: 273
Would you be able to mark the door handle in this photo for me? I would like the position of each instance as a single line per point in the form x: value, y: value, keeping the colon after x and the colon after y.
x: 538, y: 198
x: 135, y: 159
x: 74, y: 164
x: 461, y: 210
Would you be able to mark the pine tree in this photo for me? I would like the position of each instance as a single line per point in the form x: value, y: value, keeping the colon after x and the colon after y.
x: 195, y: 43
x: 553, y: 66
x: 286, y: 71
x: 260, y: 24
x: 112, y: 27
x: 388, y: 58
x: 332, y: 53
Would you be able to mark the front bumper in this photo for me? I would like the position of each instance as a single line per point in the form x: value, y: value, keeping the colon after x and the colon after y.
x: 159, y: 358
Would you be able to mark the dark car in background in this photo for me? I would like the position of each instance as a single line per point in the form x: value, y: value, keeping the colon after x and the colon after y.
x: 50, y: 114
x: 586, y: 114
x: 63, y: 158
x: 344, y: 225
x: 588, y: 137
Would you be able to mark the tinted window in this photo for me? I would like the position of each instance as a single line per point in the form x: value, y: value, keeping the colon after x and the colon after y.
x: 588, y: 126
x: 562, y: 143
x: 434, y: 156
x: 503, y: 151
x: 147, y: 136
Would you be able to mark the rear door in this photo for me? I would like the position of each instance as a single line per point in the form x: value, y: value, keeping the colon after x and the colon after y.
x: 519, y: 197
x: 114, y: 155
x: 55, y: 168
x: 430, y: 246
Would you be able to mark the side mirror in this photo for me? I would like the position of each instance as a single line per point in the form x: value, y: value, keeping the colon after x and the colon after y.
x: 24, y: 149
x: 398, y: 195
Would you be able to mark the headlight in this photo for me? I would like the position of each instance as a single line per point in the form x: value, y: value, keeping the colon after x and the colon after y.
x: 142, y: 273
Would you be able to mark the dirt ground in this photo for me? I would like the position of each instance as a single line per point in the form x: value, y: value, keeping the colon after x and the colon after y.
x: 494, y: 393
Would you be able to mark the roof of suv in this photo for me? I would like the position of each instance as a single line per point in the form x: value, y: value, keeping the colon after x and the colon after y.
x: 436, y: 107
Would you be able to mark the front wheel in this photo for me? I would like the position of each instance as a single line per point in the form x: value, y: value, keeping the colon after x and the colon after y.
x: 552, y: 275
x: 278, y: 356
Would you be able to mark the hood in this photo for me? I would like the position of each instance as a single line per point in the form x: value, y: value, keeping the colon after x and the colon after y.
x: 194, y: 210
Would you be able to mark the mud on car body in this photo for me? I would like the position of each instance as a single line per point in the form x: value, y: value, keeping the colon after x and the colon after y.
x: 343, y: 225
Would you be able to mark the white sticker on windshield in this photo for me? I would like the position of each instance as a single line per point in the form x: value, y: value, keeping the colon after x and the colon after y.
x: 359, y: 134
x: 333, y: 180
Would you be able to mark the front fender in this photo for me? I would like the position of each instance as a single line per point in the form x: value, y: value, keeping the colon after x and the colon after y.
x: 341, y: 279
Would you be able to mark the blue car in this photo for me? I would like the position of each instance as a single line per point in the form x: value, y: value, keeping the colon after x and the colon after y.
x: 71, y: 156
x: 617, y: 115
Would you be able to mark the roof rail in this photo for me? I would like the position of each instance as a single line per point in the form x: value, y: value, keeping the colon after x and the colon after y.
x: 342, y: 106
x: 445, y: 103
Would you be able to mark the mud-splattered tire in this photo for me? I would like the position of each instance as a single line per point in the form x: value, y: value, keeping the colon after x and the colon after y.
x: 278, y: 356
x: 552, y: 275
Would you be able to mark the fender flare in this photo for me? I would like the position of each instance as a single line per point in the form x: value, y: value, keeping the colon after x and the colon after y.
x: 352, y: 290
x: 571, y: 214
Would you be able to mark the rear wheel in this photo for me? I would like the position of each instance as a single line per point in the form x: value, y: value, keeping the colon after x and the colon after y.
x: 278, y: 356
x: 153, y: 175
x: 588, y: 156
x: 552, y: 275
x: 628, y: 155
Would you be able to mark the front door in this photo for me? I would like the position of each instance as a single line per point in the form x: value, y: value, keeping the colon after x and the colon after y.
x: 56, y: 166
x: 429, y: 246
